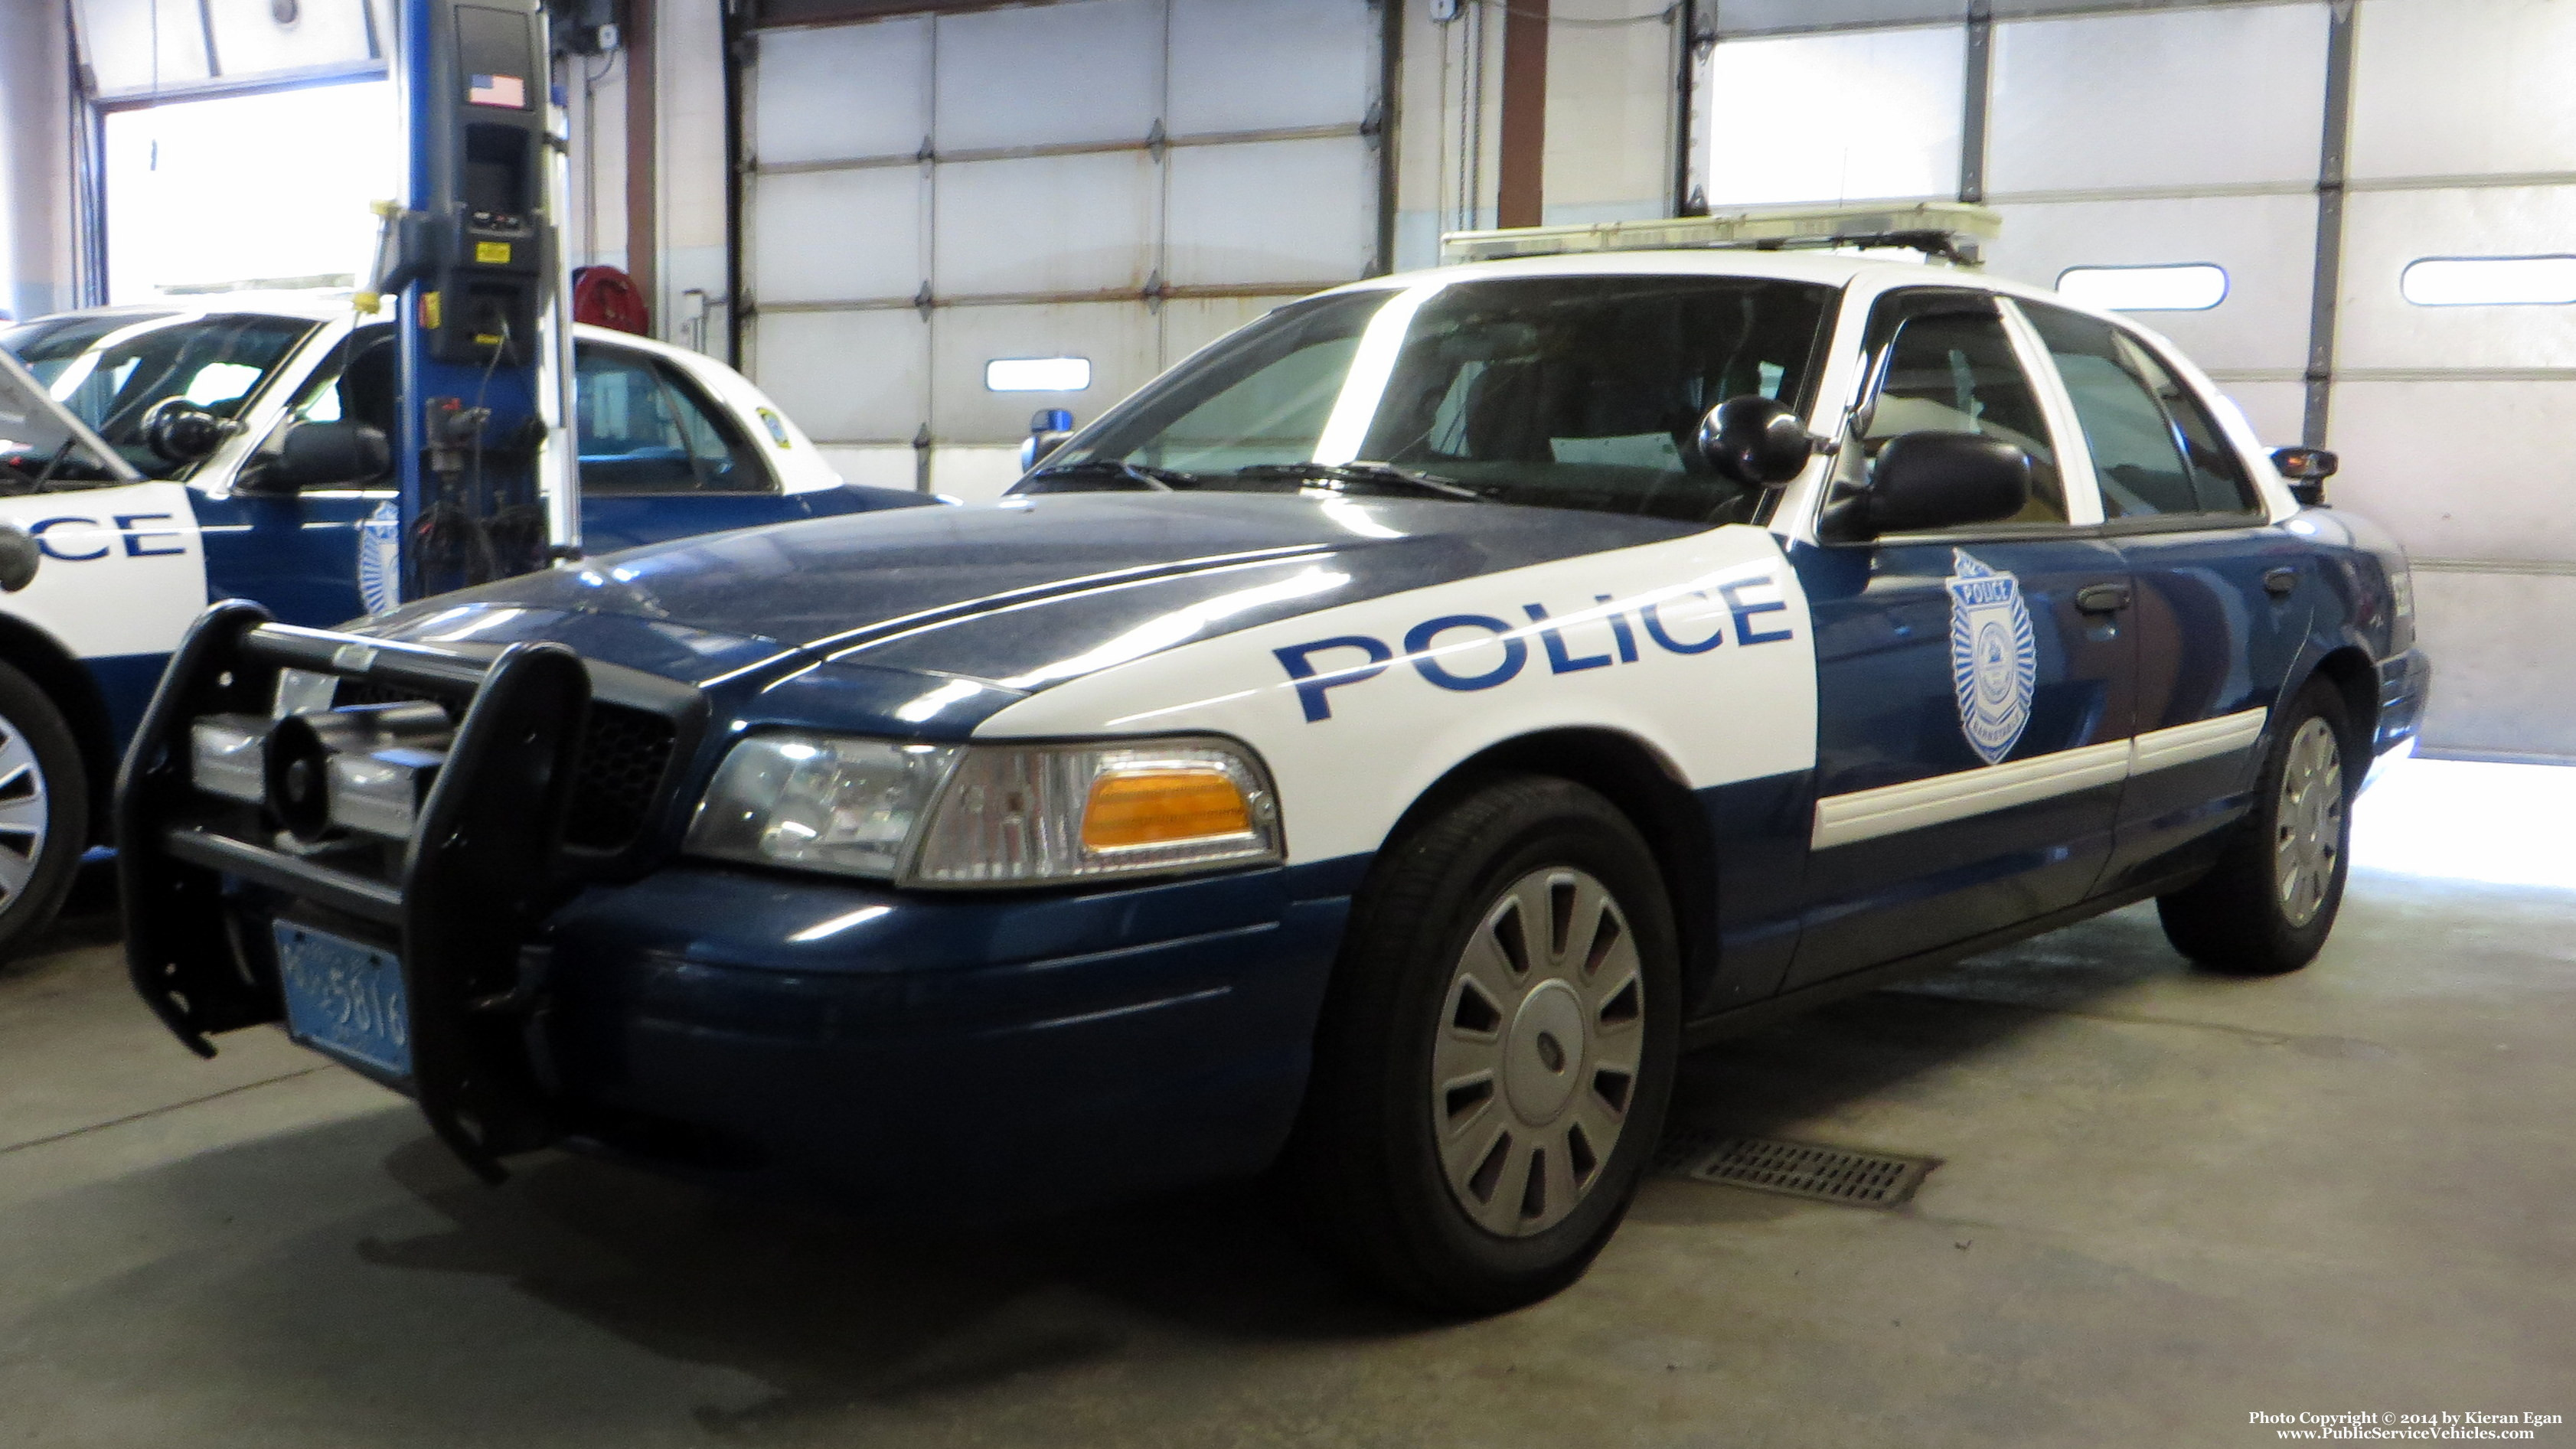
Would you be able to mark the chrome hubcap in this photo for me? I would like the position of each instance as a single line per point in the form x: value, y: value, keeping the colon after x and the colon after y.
x: 1535, y: 1064
x: 2307, y: 823
x: 23, y: 813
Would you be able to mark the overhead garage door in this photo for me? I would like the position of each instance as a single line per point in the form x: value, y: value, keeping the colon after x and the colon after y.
x: 1109, y: 184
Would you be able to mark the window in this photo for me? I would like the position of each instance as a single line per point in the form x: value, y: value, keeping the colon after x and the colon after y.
x: 2175, y: 287
x: 112, y: 370
x: 643, y: 430
x: 2489, y: 281
x: 2156, y: 449
x: 1037, y: 374
x: 1952, y: 370
x: 1560, y: 392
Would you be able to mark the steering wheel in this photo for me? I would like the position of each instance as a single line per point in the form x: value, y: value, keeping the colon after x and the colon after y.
x: 179, y: 431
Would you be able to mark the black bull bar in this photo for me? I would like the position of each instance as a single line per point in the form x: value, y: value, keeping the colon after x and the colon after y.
x: 483, y: 864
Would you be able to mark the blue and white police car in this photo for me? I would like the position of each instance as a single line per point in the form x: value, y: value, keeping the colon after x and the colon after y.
x: 1374, y: 751
x: 239, y: 451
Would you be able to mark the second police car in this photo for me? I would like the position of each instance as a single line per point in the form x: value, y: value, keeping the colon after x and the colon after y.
x: 1375, y: 750
x: 240, y: 450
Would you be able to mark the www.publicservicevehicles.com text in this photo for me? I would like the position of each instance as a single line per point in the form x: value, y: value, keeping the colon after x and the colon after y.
x: 2470, y: 1424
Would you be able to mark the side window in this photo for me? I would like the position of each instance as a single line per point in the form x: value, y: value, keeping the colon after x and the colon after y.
x: 644, y: 430
x: 2155, y: 449
x: 1954, y: 371
x: 356, y: 383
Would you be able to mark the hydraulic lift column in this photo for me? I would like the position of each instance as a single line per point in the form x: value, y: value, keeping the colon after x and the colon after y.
x: 472, y: 261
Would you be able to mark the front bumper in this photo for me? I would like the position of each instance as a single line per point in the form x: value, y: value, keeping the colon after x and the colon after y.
x: 950, y: 1056
x: 957, y: 1054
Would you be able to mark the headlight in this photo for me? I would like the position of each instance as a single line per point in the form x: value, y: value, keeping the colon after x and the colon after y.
x: 988, y: 815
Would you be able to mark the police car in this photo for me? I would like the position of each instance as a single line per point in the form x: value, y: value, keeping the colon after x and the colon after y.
x: 1375, y: 751
x: 240, y: 452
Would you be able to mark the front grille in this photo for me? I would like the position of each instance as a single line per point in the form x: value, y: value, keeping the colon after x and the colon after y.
x: 624, y: 754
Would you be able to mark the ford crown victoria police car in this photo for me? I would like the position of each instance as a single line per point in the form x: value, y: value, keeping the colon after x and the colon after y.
x: 242, y: 454
x: 1375, y: 749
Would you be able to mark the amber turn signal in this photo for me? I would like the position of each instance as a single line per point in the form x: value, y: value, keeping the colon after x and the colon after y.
x: 1159, y: 806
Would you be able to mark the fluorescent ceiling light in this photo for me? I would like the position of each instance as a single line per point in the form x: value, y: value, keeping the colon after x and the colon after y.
x: 2489, y: 281
x: 1037, y: 374
x: 2176, y: 287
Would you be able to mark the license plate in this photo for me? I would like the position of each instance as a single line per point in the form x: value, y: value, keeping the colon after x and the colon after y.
x: 345, y: 999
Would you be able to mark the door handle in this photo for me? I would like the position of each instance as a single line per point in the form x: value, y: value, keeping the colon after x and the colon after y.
x: 2280, y: 581
x: 2102, y: 598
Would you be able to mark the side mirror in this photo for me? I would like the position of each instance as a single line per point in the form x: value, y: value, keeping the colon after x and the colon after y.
x: 179, y: 431
x: 19, y: 558
x: 1933, y: 480
x: 321, y: 455
x: 1047, y: 432
x: 1755, y: 441
x: 2307, y: 470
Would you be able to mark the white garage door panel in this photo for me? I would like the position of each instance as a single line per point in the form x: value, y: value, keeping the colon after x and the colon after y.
x: 2276, y: 411
x: 2385, y: 230
x: 1271, y: 211
x: 1119, y: 338
x: 1877, y: 115
x: 248, y: 39
x: 118, y: 42
x: 1313, y: 60
x: 845, y: 377
x: 2196, y: 98
x: 2267, y: 244
x: 841, y: 93
x: 2478, y: 470
x: 2452, y: 87
x: 2504, y: 673
x: 1049, y: 74
x: 838, y: 235
x: 1045, y: 224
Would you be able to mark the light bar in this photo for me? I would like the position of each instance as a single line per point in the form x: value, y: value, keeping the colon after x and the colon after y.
x: 1948, y: 229
x: 381, y: 793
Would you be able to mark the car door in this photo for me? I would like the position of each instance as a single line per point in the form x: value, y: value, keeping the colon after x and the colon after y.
x: 1974, y: 686
x: 315, y: 556
x: 2223, y: 597
x: 660, y: 459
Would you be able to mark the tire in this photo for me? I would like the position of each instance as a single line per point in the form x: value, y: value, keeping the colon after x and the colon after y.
x: 2268, y: 905
x: 1508, y: 997
x: 44, y: 810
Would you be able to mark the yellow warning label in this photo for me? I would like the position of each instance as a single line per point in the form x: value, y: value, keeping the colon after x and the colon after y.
x: 429, y: 310
x: 489, y: 339
x: 492, y: 253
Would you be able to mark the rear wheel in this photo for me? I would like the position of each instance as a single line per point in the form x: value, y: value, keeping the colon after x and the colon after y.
x: 2268, y: 904
x: 1496, y: 1054
x: 44, y: 810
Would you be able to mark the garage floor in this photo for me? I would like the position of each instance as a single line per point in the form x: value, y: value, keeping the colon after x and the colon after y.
x: 2167, y: 1201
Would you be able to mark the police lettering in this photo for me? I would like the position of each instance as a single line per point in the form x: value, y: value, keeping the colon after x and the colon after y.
x: 1431, y: 646
x: 140, y: 540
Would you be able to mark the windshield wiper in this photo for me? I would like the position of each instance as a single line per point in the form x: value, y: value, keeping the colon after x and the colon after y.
x: 1366, y: 474
x: 1144, y: 475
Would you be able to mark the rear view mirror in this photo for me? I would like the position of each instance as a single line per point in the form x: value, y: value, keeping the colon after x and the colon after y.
x: 324, y: 455
x: 1934, y: 480
x: 19, y: 558
x: 1047, y: 432
x: 2306, y: 470
x: 1755, y: 441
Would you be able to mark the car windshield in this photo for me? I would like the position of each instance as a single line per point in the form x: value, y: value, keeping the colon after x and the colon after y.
x: 111, y: 370
x: 39, y: 447
x: 1560, y: 392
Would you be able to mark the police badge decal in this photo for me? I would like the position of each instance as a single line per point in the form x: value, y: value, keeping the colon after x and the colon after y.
x: 380, y: 559
x: 1994, y: 656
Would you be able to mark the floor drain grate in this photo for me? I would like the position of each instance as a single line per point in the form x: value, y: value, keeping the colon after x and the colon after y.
x: 1799, y: 1169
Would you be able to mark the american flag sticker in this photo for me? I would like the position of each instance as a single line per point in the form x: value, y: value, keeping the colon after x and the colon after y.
x: 497, y: 90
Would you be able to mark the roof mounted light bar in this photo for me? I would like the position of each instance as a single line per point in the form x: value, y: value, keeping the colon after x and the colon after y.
x: 1944, y: 230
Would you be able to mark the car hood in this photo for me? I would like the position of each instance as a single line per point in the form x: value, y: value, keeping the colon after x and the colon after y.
x: 1013, y: 597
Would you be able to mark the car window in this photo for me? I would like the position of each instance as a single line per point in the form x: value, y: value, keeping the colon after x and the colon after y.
x: 2155, y: 449
x: 1953, y: 370
x: 1557, y: 392
x: 112, y: 370
x: 644, y: 429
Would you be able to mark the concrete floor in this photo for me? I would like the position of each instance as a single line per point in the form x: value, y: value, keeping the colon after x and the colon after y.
x: 2167, y: 1201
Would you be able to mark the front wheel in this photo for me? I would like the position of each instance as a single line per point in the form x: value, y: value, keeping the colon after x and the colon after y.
x: 44, y: 810
x: 1492, y: 1069
x: 2268, y: 904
